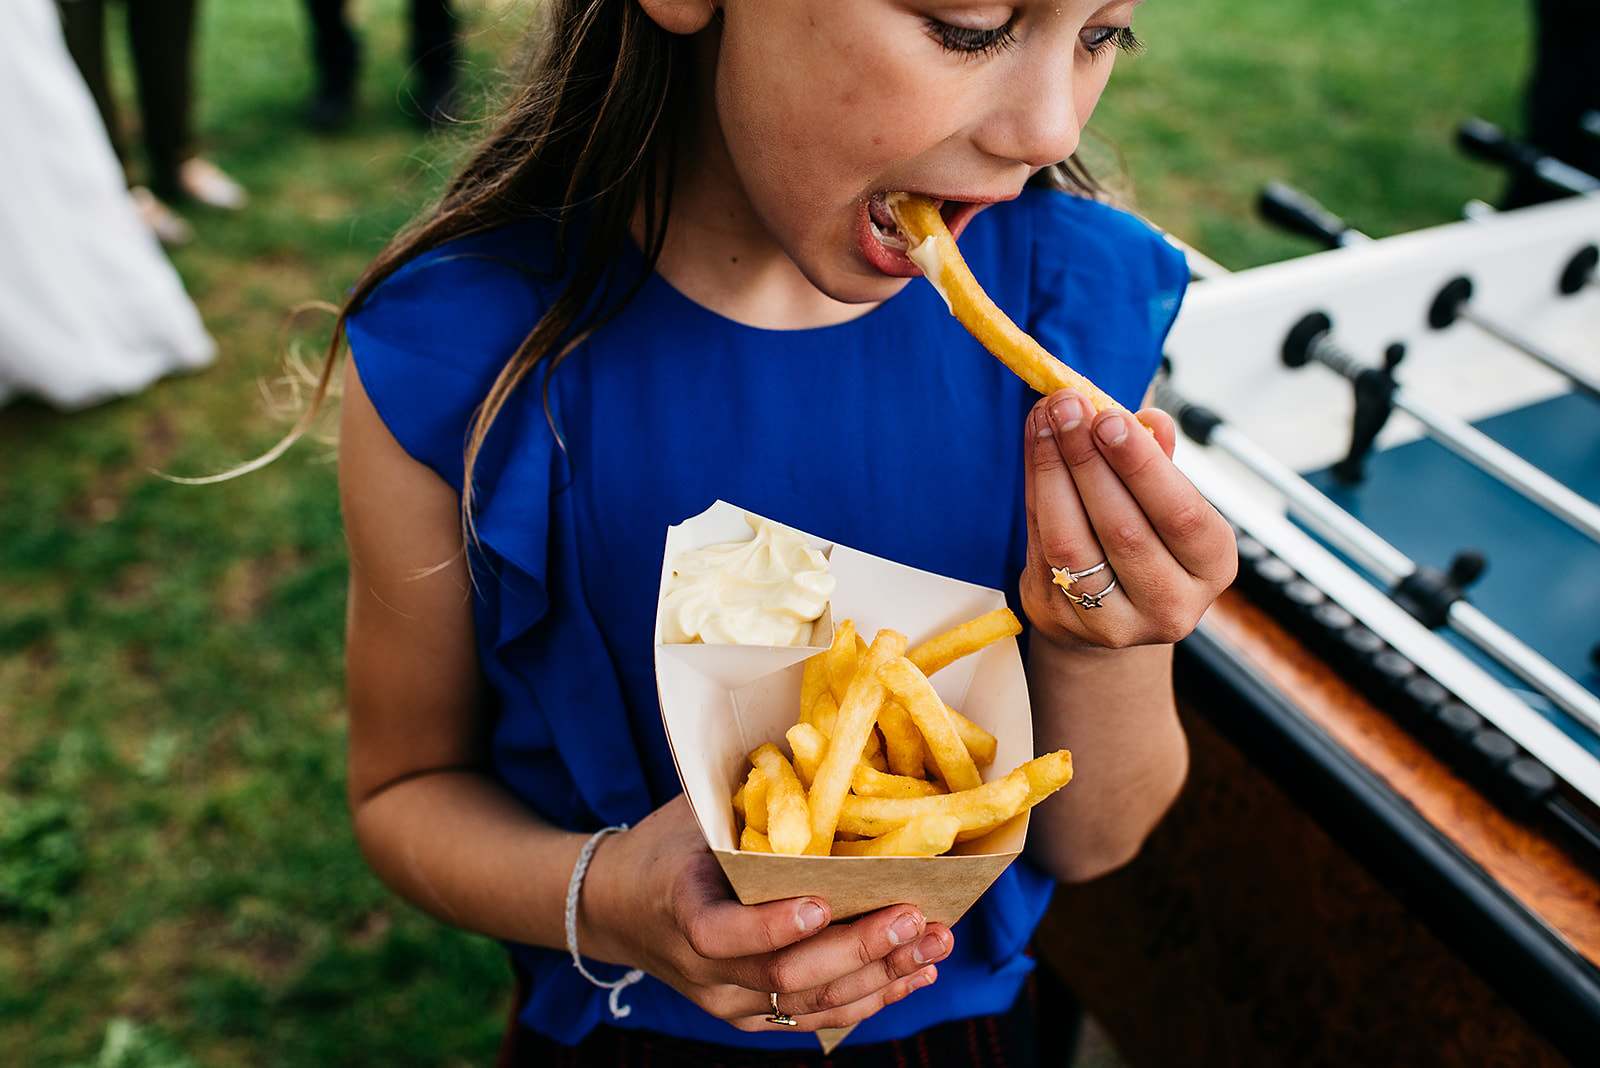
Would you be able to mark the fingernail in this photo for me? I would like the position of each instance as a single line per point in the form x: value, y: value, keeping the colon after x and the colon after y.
x: 1041, y: 425
x: 930, y: 948
x: 1066, y: 413
x: 1112, y: 429
x: 905, y: 929
x: 812, y: 916
x: 920, y: 980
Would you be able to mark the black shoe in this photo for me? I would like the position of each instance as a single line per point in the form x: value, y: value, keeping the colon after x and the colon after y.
x: 334, y: 102
x: 331, y: 107
x: 437, y: 104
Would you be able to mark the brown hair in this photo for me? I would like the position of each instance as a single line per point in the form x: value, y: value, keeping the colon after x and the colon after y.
x: 591, y: 130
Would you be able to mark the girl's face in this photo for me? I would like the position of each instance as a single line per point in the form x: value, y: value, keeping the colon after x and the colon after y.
x: 815, y: 108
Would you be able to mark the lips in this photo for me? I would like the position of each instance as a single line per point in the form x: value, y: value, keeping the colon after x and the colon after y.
x: 885, y: 246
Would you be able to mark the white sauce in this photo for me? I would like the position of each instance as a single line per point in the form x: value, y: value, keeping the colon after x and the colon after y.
x: 925, y: 254
x: 768, y: 590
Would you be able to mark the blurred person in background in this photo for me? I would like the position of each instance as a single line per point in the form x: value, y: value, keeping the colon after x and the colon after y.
x: 90, y: 308
x: 161, y: 41
x: 336, y: 51
x: 1562, y: 87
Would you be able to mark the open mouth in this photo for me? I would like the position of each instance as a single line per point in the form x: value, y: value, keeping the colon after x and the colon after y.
x: 885, y: 247
x: 885, y: 230
x: 883, y: 224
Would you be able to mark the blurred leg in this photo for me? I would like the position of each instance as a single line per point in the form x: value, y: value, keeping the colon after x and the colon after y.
x: 434, y: 51
x: 161, y: 34
x: 336, y: 52
x: 1561, y: 87
x: 84, y: 24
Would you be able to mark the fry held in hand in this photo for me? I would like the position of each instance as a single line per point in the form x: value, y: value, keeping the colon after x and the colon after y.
x: 934, y: 251
x: 840, y: 796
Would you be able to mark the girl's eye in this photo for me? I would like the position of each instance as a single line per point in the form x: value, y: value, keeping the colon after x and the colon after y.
x: 970, y: 42
x: 1121, y: 38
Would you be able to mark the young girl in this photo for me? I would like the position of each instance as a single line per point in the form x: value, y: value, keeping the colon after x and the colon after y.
x: 668, y: 278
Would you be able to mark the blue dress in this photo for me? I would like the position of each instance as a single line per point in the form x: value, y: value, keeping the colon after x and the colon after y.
x: 894, y: 433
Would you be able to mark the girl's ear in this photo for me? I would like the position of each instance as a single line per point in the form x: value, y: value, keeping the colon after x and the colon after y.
x: 680, y: 16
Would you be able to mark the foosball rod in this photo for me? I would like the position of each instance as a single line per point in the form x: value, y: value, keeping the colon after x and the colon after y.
x: 1312, y: 339
x: 1309, y: 340
x: 1300, y: 213
x: 1484, y: 140
x: 1383, y: 561
x: 1454, y: 301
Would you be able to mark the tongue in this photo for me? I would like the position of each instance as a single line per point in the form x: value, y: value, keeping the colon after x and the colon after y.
x: 879, y: 212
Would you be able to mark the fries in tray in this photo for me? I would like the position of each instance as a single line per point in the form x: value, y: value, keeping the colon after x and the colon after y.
x: 829, y: 797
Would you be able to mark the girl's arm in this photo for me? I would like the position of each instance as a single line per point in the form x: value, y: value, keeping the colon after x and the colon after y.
x: 437, y: 826
x: 1101, y: 488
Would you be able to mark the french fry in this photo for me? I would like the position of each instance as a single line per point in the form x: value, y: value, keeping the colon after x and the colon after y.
x: 912, y: 689
x: 751, y: 801
x: 788, y: 816
x: 870, y: 782
x: 977, y: 810
x: 753, y: 841
x: 934, y: 250
x: 957, y: 642
x: 842, y: 660
x: 979, y: 742
x: 813, y: 683
x: 901, y: 743
x: 1046, y: 774
x: 923, y: 836
x: 808, y: 744
x: 857, y: 713
x: 823, y: 713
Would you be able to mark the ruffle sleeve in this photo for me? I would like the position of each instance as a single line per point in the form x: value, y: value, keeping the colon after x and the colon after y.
x: 428, y: 345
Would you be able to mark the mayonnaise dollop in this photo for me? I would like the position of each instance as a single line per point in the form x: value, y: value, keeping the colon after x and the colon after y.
x: 768, y: 590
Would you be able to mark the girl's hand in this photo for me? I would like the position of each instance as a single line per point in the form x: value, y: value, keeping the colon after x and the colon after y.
x: 1100, y: 488
x: 656, y: 899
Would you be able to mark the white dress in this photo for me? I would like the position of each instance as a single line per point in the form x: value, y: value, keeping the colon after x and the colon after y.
x: 90, y: 307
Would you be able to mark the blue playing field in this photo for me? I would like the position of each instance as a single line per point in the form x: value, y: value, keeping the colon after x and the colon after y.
x: 1543, y: 578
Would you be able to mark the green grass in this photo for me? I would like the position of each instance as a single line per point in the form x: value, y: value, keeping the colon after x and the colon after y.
x: 178, y: 882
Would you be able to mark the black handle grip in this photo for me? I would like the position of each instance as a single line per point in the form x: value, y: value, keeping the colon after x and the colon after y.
x: 1195, y: 420
x: 1299, y: 213
x: 1483, y: 140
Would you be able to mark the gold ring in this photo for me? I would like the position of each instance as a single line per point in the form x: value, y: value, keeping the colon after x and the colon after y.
x: 779, y: 1016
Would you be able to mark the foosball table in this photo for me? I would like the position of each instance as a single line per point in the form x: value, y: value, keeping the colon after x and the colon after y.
x: 1388, y: 851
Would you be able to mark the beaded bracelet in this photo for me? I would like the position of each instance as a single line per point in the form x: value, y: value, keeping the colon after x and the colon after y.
x: 616, y: 986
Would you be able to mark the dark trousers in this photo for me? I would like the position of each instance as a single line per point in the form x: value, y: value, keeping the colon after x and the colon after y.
x: 1562, y: 85
x: 161, y: 39
x: 337, y: 53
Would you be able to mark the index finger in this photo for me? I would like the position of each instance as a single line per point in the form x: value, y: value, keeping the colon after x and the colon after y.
x: 1193, y: 531
x: 840, y: 951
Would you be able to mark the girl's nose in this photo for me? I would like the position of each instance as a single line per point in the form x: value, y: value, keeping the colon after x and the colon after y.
x: 1035, y: 118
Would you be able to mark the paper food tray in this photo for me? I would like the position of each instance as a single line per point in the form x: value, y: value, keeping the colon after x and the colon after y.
x: 720, y: 702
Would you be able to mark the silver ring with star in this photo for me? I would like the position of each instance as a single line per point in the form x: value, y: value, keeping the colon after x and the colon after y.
x: 1067, y: 579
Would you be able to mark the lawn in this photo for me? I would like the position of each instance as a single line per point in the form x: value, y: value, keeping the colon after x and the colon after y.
x: 178, y: 882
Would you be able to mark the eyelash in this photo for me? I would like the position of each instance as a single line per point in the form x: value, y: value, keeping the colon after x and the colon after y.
x: 1123, y: 39
x: 969, y: 42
